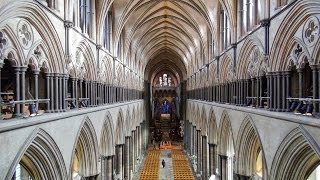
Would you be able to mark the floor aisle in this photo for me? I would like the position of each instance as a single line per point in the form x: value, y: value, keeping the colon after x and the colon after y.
x: 176, y: 165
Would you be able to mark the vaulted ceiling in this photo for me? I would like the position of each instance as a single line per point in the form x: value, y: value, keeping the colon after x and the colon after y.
x: 164, y: 34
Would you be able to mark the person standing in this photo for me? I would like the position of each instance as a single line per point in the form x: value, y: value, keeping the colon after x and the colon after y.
x: 163, y: 163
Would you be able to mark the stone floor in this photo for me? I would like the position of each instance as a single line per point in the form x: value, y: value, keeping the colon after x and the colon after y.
x: 166, y: 173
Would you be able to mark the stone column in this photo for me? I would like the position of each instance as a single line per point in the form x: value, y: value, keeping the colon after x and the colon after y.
x: 56, y: 91
x: 268, y: 90
x: 318, y: 86
x: 223, y: 167
x: 195, y: 143
x: 301, y: 80
x: 36, y: 87
x: 260, y: 91
x: 279, y: 91
x: 258, y: 82
x: 61, y: 92
x: 288, y: 89
x: 315, y: 87
x: 23, y: 87
x: 64, y: 91
x: 274, y: 92
x: 212, y: 159
x: 109, y: 173
x: 17, y: 110
x: 80, y: 84
x: 119, y: 160
x: 106, y: 167
x: 204, y: 157
x: 198, y: 145
x: 284, y: 92
x: 127, y: 158
x: 271, y: 92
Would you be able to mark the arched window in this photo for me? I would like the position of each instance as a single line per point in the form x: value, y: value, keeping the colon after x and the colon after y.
x: 225, y: 29
x: 249, y: 14
x: 86, y: 13
x: 107, y: 31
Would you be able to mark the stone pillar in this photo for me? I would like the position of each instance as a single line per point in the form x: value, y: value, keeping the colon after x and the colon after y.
x: 127, y: 158
x: 284, y: 92
x: 274, y: 92
x: 315, y: 86
x: 36, y: 87
x: 48, y: 92
x: 23, y: 87
x: 65, y: 92
x: 17, y: 111
x: 288, y: 89
x: 119, y: 160
x: 131, y: 154
x: 223, y: 167
x: 212, y: 159
x: 56, y: 90
x: 106, y: 167
x: 204, y: 157
x: 80, y: 84
x: 279, y: 91
x: 270, y: 92
x: 61, y: 92
x: 258, y: 82
x: 198, y: 145
x: 318, y: 86
x: 301, y: 80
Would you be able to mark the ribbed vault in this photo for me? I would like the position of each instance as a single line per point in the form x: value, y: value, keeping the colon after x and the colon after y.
x: 163, y: 34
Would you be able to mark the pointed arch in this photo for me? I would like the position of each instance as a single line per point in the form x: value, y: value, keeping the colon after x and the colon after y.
x: 295, y: 157
x: 34, y: 15
x: 85, y: 154
x: 120, y: 128
x: 248, y: 148
x: 203, y: 123
x: 107, y: 136
x: 41, y: 157
x: 226, y: 142
x: 212, y: 127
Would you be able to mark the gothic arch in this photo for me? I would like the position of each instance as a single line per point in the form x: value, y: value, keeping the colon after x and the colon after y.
x: 120, y: 128
x: 203, y: 123
x: 249, y: 58
x: 41, y: 157
x: 248, y: 148
x: 34, y: 15
x: 127, y: 122
x: 226, y: 69
x: 85, y: 153
x: 12, y: 49
x: 226, y: 142
x: 107, y: 136
x: 298, y: 14
x: 212, y: 128
x: 296, y: 156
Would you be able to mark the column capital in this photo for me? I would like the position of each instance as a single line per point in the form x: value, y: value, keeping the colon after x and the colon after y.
x: 68, y: 24
x: 265, y: 22
x: 36, y: 72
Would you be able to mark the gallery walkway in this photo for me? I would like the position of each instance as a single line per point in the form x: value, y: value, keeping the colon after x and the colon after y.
x: 176, y: 165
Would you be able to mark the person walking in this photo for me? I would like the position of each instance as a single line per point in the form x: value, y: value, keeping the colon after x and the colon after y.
x: 163, y: 163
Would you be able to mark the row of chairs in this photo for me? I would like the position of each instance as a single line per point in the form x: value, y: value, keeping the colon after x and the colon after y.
x: 150, y: 169
x: 181, y: 168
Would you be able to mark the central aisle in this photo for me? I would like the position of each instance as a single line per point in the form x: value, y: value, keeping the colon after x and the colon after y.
x: 176, y: 165
x: 166, y: 173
